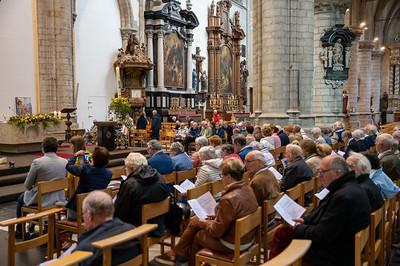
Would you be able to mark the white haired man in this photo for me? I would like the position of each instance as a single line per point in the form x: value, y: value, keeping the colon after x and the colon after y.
x: 317, y: 135
x: 390, y: 162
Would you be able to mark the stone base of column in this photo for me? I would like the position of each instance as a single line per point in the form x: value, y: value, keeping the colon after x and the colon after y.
x: 327, y: 119
x: 282, y: 119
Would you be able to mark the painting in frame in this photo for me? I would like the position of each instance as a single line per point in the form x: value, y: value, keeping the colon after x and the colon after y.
x: 174, y: 51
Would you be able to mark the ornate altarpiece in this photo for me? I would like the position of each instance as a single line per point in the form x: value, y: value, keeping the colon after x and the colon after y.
x: 224, y: 37
x: 169, y: 42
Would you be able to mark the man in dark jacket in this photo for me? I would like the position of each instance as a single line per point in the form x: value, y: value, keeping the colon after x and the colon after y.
x: 390, y: 162
x: 362, y: 167
x: 155, y: 125
x: 141, y: 122
x: 100, y: 224
x: 297, y: 171
x: 339, y: 216
x: 283, y: 136
x: 142, y: 186
x: 159, y: 160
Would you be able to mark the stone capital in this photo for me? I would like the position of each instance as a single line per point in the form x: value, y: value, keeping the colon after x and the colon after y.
x: 328, y: 6
x: 126, y: 32
x: 160, y: 34
x: 149, y: 34
x: 366, y: 45
x: 357, y: 31
x: 376, y: 53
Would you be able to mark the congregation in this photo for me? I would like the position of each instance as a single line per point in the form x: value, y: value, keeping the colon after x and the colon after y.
x: 359, y: 169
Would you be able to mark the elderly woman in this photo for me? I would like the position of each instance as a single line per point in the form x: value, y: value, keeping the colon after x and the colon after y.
x: 215, y: 141
x: 209, y: 171
x: 180, y: 160
x: 297, y: 171
x: 143, y: 185
x: 309, y: 151
x: 267, y: 140
x: 217, y: 232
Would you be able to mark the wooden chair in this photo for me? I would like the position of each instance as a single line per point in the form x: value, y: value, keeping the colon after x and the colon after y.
x: 117, y: 172
x: 196, y: 192
x: 377, y: 225
x: 243, y: 226
x: 150, y: 211
x: 187, y: 174
x: 43, y: 187
x: 268, y: 230
x: 292, y: 255
x: 169, y: 137
x: 74, y: 227
x: 361, y: 247
x: 216, y: 187
x: 138, y: 136
x: 278, y: 153
x: 73, y: 259
x: 140, y: 232
x: 170, y: 178
x: 389, y: 204
x: 308, y: 187
x: 296, y: 194
x: 47, y: 238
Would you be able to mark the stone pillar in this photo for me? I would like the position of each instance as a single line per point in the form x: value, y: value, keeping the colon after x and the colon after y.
x: 150, y: 73
x: 327, y: 102
x: 160, y: 60
x: 55, y: 26
x: 351, y: 86
x: 376, y: 83
x: 364, y: 61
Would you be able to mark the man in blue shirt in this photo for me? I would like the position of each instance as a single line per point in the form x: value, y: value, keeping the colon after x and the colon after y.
x: 159, y: 159
x: 180, y: 160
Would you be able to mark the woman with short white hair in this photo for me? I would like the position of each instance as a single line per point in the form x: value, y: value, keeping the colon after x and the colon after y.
x: 209, y: 171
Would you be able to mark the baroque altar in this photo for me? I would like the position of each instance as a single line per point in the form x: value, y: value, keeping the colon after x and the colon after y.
x: 225, y: 92
x: 169, y: 34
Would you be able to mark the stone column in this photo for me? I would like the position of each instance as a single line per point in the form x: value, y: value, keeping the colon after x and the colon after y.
x: 351, y: 86
x: 364, y: 61
x: 160, y: 60
x: 150, y: 73
x: 327, y: 102
x: 376, y: 83
x: 189, y: 65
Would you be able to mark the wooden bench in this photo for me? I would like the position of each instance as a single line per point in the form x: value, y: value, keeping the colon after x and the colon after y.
x: 361, y: 247
x: 46, y: 238
x: 268, y: 231
x: 292, y: 255
x: 73, y: 259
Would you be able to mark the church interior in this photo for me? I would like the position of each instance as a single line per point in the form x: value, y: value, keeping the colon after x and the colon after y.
x: 188, y: 132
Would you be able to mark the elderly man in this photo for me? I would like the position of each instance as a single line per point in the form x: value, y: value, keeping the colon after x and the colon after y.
x: 241, y: 147
x: 396, y: 137
x: 159, y: 159
x: 362, y: 168
x: 390, y: 162
x: 143, y: 185
x: 45, y: 168
x: 155, y: 125
x: 209, y: 171
x: 356, y: 144
x: 332, y: 225
x: 297, y: 171
x: 99, y: 223
x: 180, y: 160
x: 218, y: 232
x: 338, y: 129
x: 262, y: 180
x: 317, y: 135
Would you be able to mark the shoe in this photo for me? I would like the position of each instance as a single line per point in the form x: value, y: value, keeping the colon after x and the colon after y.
x: 18, y: 234
x: 165, y: 259
x: 396, y: 246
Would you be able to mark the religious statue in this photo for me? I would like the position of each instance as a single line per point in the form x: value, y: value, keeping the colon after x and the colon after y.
x: 194, y: 79
x: 244, y: 73
x: 133, y: 45
x: 237, y: 18
x: 338, y: 52
x: 323, y: 55
x: 204, y: 81
x: 212, y: 9
x: 347, y: 54
x: 330, y: 55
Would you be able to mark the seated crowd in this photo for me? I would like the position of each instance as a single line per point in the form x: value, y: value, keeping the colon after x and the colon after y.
x: 359, y: 176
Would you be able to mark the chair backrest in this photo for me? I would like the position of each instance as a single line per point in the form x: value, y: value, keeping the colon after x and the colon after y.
x: 292, y: 255
x: 296, y: 194
x: 277, y: 152
x: 186, y: 174
x: 216, y: 187
x: 48, y: 187
x: 108, y: 243
x: 72, y: 259
x: 117, y: 172
x: 152, y: 210
x: 377, y: 226
x: 79, y: 201
x: 244, y: 226
x: 170, y: 178
x: 196, y: 192
x: 361, y: 247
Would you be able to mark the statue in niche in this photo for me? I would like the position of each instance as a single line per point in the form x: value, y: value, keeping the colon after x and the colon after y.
x: 338, y: 52
x: 237, y: 18
x: 194, y: 79
x: 132, y: 47
x: 244, y: 73
x: 204, y: 81
x: 347, y: 54
x: 330, y: 55
x: 212, y: 9
x: 199, y: 66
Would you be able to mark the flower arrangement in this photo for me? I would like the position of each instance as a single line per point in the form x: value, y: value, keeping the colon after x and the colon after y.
x: 23, y: 121
x: 121, y: 106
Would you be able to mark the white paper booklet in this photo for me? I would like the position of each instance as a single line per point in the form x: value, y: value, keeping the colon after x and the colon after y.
x: 66, y: 253
x: 185, y: 186
x: 289, y: 209
x: 322, y: 194
x: 203, y: 205
x: 277, y: 175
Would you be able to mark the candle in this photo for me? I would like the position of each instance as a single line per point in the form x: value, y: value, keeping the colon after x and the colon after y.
x: 55, y: 114
x: 118, y: 78
x: 59, y: 114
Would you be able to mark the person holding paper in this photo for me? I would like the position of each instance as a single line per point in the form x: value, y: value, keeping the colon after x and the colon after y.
x: 217, y: 232
x: 297, y: 171
x: 143, y: 185
x: 332, y: 225
x: 262, y: 180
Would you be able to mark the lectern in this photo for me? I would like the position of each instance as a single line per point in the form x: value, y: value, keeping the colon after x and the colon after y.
x: 106, y: 134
